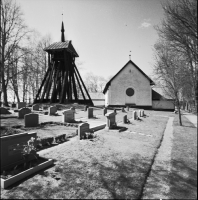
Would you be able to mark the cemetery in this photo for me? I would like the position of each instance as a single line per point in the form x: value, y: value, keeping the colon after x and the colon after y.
x: 78, y: 132
x: 53, y: 129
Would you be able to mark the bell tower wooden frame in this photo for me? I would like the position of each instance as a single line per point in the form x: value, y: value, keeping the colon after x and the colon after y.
x: 62, y: 82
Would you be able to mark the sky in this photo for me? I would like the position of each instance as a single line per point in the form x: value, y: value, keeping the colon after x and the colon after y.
x: 103, y: 32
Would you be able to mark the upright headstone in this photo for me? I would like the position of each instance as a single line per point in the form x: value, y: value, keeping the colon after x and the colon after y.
x: 114, y: 110
x: 82, y: 129
x: 123, y: 109
x: 22, y: 112
x: 11, y: 147
x: 73, y: 108
x: 21, y: 105
x: 139, y: 113
x: 68, y: 116
x: 110, y: 119
x: 142, y: 113
x: 4, y: 111
x: 134, y: 115
x: 52, y: 110
x: 127, y: 108
x: 35, y: 107
x: 85, y: 108
x: 90, y: 113
x: 125, y: 119
x: 31, y: 120
x: 104, y: 111
x: 13, y: 105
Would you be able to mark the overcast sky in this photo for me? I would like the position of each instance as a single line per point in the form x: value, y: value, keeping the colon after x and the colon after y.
x: 103, y: 32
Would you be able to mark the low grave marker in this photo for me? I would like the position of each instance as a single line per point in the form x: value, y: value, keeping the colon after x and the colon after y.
x: 21, y: 105
x: 68, y: 116
x: 110, y: 119
x: 4, y: 111
x: 85, y: 108
x: 142, y: 113
x: 13, y: 105
x: 139, y: 113
x: 90, y: 113
x: 104, y: 111
x: 73, y: 108
x: 52, y: 110
x: 82, y: 129
x: 125, y: 119
x: 11, y: 147
x: 31, y: 120
x: 134, y: 115
x: 35, y: 107
x: 22, y: 112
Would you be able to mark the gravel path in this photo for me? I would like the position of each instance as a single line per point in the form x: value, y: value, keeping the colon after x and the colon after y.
x: 157, y: 185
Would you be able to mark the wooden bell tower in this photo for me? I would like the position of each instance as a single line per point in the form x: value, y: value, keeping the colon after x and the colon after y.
x: 62, y: 82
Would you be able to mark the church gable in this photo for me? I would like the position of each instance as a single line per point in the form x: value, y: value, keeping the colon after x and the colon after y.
x: 129, y: 68
x: 130, y: 75
x: 130, y: 86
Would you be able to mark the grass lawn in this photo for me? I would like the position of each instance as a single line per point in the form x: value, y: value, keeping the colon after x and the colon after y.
x: 184, y: 161
x: 112, y: 165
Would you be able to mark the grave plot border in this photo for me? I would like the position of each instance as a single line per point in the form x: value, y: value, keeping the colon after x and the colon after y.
x: 10, y: 181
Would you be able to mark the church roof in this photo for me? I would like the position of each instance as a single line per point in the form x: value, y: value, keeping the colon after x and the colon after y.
x: 109, y: 83
x: 60, y: 46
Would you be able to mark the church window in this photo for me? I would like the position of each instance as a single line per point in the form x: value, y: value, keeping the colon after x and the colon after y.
x: 130, y: 92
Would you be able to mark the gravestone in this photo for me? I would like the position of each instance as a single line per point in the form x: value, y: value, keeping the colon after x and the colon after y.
x: 134, y: 115
x: 82, y: 129
x: 13, y: 105
x: 68, y: 116
x: 85, y: 108
x: 125, y: 119
x: 110, y: 119
x: 142, y: 113
x: 90, y: 113
x: 21, y: 105
x: 114, y: 110
x: 73, y: 108
x: 35, y: 107
x: 52, y: 110
x: 11, y: 147
x: 127, y: 108
x: 22, y: 112
x: 139, y: 113
x: 31, y: 120
x: 4, y: 111
x: 104, y: 111
x: 123, y: 109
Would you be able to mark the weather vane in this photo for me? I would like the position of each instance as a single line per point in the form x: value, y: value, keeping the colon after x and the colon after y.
x: 130, y: 56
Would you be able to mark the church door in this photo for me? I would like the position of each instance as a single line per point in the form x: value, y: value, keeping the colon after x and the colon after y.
x: 130, y: 96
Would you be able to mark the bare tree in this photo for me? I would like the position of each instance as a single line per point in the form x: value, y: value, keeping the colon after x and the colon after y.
x: 94, y: 83
x: 179, y: 28
x: 13, y: 30
x: 170, y: 71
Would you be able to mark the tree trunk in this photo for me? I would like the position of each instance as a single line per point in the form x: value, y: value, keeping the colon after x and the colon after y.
x: 4, y: 90
x: 179, y: 112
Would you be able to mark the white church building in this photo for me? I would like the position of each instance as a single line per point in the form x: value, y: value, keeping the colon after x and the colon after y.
x: 132, y: 87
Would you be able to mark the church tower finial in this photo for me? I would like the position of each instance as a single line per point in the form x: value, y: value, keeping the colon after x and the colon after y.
x: 62, y: 33
x: 130, y: 56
